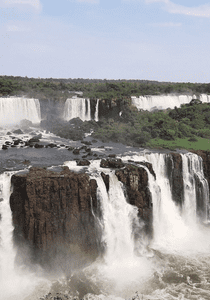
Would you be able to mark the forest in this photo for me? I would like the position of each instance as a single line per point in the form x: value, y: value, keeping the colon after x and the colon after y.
x: 94, y: 88
x: 185, y: 127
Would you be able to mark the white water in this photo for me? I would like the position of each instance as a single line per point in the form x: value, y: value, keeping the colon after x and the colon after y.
x: 177, y: 237
x: 96, y: 112
x: 15, y: 109
x: 193, y: 166
x: 76, y: 108
x: 165, y: 101
x: 15, y: 284
x: 119, y: 220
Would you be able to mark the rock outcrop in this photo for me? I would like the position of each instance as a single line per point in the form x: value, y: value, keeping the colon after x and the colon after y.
x: 174, y: 173
x: 136, y: 181
x: 53, y: 210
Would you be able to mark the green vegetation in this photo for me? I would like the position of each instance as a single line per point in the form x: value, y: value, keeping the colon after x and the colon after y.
x: 185, y: 143
x: 94, y: 88
x: 185, y: 127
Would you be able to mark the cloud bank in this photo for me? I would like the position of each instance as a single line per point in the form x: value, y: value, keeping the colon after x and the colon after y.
x: 169, y: 6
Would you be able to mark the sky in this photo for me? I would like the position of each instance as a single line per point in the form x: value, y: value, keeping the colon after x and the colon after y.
x: 163, y: 40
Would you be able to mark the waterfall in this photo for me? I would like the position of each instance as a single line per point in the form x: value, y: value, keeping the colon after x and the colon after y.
x: 96, y: 112
x: 7, y: 253
x: 164, y: 101
x: 168, y: 223
x: 118, y: 216
x: 77, y: 108
x: 119, y: 220
x: 15, y: 109
x: 14, y: 283
x: 196, y: 189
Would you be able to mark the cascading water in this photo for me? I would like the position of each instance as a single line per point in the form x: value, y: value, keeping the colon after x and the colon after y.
x: 77, y: 108
x: 118, y: 217
x: 119, y: 220
x: 15, y: 109
x: 96, y: 112
x: 164, y: 101
x: 14, y: 284
x: 195, y: 188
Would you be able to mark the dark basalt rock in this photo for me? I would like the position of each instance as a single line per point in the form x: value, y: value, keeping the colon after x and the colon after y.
x: 135, y: 180
x: 106, y: 180
x: 86, y: 143
x: 4, y: 147
x: 38, y: 146
x: 75, y: 151
x: 52, y: 213
x: 17, y: 142
x: 35, y: 139
x: 174, y: 172
x: 111, y: 163
x: 83, y: 162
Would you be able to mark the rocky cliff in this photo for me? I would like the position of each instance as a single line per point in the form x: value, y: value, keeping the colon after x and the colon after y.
x: 53, y: 212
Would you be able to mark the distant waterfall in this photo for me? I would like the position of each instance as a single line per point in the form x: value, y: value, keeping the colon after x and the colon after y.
x: 96, y: 112
x: 164, y: 101
x: 15, y: 109
x: 77, y: 108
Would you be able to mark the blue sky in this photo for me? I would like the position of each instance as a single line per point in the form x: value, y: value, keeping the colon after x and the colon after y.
x: 164, y: 40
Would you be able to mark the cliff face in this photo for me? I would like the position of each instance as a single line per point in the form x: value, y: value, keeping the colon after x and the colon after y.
x: 53, y: 210
x: 136, y: 181
x: 175, y: 175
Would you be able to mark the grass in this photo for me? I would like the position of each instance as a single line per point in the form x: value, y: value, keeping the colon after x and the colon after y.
x: 200, y: 144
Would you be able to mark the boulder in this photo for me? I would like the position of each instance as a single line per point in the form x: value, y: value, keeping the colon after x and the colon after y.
x: 83, y: 162
x: 112, y: 163
x: 18, y: 131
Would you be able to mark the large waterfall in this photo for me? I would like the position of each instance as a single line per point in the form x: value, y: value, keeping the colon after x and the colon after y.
x: 180, y: 233
x: 15, y: 109
x: 164, y: 101
x: 77, y: 108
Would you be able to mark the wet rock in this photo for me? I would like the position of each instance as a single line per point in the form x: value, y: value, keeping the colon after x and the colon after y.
x: 106, y: 180
x: 86, y: 143
x: 4, y: 147
x: 9, y: 133
x: 51, y: 145
x: 75, y: 151
x: 17, y: 142
x: 38, y: 146
x: 135, y: 179
x: 36, y: 138
x: 83, y: 162
x: 70, y: 148
x: 52, y: 212
x: 112, y: 155
x: 111, y: 163
x: 18, y: 131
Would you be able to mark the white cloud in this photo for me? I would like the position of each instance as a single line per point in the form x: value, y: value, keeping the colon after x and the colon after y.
x: 35, y: 4
x: 198, y: 11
